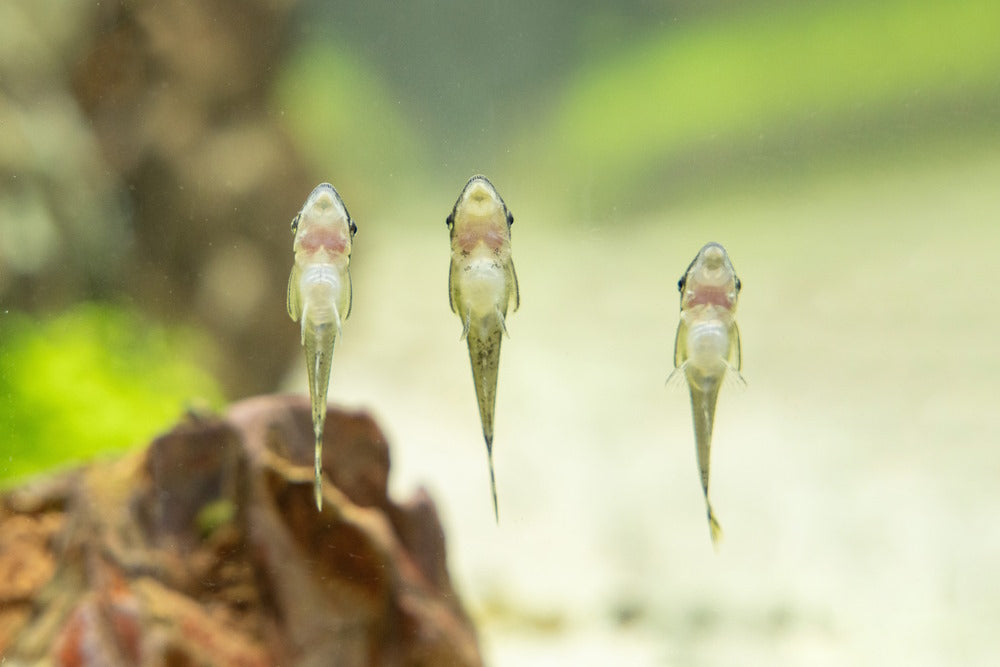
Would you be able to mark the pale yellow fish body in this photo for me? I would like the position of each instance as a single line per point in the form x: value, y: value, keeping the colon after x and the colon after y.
x: 707, y: 347
x: 319, y: 295
x: 481, y: 286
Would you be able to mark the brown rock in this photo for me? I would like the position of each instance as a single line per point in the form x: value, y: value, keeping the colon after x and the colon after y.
x: 206, y: 549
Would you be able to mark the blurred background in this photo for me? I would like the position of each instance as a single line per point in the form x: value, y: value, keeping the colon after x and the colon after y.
x: 846, y: 153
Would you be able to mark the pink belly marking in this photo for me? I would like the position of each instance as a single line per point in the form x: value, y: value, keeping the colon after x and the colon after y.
x: 323, y: 238
x: 490, y: 236
x: 710, y: 296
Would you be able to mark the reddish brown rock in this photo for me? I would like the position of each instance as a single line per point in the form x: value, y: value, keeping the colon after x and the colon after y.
x: 206, y: 549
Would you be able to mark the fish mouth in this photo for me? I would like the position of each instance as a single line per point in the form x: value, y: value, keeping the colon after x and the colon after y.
x: 480, y: 199
x: 324, y: 196
x: 713, y: 266
x: 479, y: 190
x: 711, y: 270
x: 713, y: 257
x: 325, y: 203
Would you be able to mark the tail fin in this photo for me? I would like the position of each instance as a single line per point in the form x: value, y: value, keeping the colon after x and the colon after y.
x: 714, y: 527
x: 493, y: 481
x: 319, y: 354
x: 484, y: 353
x: 318, y: 487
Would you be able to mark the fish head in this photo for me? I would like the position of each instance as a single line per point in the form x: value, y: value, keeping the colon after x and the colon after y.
x: 323, y: 226
x: 479, y: 216
x: 710, y: 280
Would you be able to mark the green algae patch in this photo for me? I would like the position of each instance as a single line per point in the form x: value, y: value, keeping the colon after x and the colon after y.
x: 91, y: 381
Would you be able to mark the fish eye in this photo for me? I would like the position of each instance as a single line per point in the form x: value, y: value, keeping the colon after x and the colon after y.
x: 353, y: 227
x: 450, y: 220
x: 680, y: 283
x: 510, y: 218
x: 739, y: 285
x: 295, y: 222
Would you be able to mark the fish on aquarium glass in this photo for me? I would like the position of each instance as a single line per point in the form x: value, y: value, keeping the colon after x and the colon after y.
x: 319, y: 294
x: 707, y: 347
x: 481, y: 286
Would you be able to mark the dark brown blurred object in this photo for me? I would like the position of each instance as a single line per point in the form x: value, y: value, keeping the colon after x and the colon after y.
x: 179, y: 97
x: 206, y: 548
x: 147, y: 164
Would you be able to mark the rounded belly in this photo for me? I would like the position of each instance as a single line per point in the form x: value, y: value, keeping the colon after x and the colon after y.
x: 483, y: 286
x: 708, y: 346
x: 320, y: 287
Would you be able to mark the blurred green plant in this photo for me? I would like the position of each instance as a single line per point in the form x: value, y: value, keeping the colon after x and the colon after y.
x: 94, y: 380
x: 790, y: 81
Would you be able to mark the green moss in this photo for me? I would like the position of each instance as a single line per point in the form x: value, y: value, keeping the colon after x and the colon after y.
x: 93, y: 380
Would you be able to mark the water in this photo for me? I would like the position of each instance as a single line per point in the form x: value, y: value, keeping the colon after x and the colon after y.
x: 853, y: 475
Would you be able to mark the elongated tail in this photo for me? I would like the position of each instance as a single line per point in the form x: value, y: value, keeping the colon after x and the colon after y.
x: 713, y: 526
x: 704, y: 395
x: 493, y: 481
x: 484, y: 352
x: 318, y: 340
x: 318, y: 484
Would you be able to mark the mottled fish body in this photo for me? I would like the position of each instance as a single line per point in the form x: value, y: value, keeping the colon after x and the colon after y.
x: 707, y: 347
x: 319, y: 295
x: 481, y: 286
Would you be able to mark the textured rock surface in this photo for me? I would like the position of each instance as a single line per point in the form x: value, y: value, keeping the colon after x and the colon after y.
x: 206, y: 548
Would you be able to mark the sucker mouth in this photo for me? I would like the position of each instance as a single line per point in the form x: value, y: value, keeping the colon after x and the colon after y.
x: 479, y: 200
x: 323, y: 200
x: 325, y: 197
x: 479, y: 191
x: 322, y: 187
x: 714, y: 257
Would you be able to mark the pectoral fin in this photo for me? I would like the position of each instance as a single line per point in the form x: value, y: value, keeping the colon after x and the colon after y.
x: 349, y: 293
x: 293, y: 300
x: 453, y: 287
x: 735, y: 357
x: 514, y: 290
x: 680, y: 351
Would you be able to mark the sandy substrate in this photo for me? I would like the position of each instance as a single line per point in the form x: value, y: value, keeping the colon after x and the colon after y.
x: 855, y: 476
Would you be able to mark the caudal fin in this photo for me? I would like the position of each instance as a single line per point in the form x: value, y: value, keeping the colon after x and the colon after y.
x: 318, y: 486
x: 493, y: 483
x: 319, y: 353
x: 714, y: 528
x: 484, y: 353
